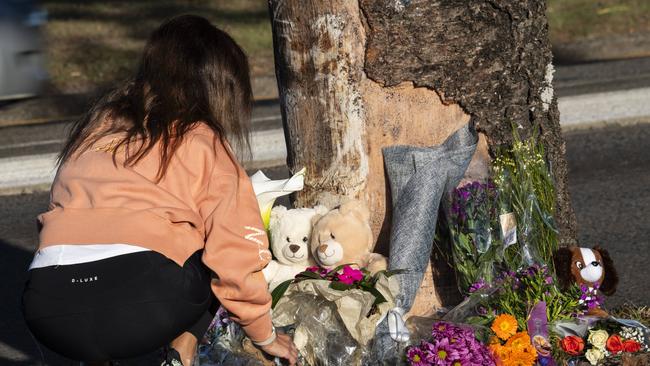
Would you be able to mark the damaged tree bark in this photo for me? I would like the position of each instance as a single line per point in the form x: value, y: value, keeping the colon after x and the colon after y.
x: 356, y: 76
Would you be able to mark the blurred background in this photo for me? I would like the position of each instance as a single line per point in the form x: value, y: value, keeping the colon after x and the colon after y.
x: 57, y: 55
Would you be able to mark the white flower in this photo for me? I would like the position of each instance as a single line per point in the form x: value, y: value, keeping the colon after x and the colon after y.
x: 268, y: 190
x: 598, y: 338
x: 594, y: 355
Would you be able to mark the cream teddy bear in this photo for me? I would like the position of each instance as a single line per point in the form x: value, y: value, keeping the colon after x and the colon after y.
x: 290, y: 234
x: 343, y: 236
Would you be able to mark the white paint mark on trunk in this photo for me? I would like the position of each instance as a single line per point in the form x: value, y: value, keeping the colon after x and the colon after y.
x: 547, y: 91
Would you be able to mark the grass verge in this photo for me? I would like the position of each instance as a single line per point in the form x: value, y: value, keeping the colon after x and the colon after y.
x: 95, y: 43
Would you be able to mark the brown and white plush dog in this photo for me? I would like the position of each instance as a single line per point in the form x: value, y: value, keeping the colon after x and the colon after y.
x: 586, y: 266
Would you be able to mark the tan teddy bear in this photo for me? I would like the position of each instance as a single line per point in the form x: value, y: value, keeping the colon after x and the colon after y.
x: 343, y: 236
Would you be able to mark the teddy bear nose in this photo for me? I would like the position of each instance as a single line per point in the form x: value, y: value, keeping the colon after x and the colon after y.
x: 595, y: 263
x: 322, y: 248
x: 294, y: 248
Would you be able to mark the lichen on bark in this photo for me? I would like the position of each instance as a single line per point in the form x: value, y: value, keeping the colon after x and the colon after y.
x: 490, y: 57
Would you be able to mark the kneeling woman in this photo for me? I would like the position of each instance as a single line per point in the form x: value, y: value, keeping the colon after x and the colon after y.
x: 151, y: 215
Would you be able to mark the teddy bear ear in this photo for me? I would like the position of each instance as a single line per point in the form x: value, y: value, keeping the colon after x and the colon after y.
x: 357, y: 208
x: 315, y: 218
x: 277, y: 213
x: 321, y: 210
x: 608, y: 287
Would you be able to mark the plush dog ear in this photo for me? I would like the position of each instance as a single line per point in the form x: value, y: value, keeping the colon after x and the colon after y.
x: 562, y: 262
x: 608, y: 287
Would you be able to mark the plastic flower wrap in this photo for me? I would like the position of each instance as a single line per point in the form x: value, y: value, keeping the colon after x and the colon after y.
x: 267, y: 190
x: 452, y: 345
x: 334, y: 312
x: 222, y: 344
x: 474, y: 229
x: 526, y: 189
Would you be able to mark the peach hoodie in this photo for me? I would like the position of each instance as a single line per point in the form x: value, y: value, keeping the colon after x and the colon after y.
x: 205, y: 201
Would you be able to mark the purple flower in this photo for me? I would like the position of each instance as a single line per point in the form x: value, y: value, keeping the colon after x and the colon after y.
x: 222, y: 318
x: 455, y: 345
x: 443, y: 353
x: 477, y: 285
x: 416, y: 357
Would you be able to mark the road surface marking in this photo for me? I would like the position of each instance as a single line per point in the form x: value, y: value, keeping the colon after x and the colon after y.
x: 605, y: 106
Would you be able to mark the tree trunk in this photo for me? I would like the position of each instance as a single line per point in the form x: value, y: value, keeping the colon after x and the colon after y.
x: 356, y: 76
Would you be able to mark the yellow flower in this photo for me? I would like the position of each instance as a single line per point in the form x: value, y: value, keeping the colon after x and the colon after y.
x: 598, y: 338
x: 504, y: 326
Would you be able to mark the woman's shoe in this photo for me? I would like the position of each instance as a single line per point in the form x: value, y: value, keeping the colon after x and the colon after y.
x: 172, y: 358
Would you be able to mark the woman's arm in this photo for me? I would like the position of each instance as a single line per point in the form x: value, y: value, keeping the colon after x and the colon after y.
x: 236, y: 249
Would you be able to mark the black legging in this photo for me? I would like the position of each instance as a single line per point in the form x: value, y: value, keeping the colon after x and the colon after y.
x: 119, y: 307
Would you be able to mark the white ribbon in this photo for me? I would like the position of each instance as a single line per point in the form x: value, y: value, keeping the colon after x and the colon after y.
x: 396, y: 326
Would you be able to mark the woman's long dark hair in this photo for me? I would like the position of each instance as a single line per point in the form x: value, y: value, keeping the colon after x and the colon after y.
x: 190, y: 72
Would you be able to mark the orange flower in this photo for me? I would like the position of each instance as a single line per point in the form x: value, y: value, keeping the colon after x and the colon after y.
x: 504, y: 326
x: 522, y: 358
x: 523, y: 352
x: 500, y: 353
x: 519, y: 342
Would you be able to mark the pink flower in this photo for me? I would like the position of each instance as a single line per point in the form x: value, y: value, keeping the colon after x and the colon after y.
x: 323, y: 272
x: 349, y: 275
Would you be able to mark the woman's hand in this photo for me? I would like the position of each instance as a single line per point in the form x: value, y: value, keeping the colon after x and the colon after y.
x: 282, y: 347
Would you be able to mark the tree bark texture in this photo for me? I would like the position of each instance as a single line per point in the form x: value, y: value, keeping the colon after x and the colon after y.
x: 356, y: 76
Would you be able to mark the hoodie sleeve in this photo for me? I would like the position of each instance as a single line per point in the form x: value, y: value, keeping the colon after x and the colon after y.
x: 236, y: 248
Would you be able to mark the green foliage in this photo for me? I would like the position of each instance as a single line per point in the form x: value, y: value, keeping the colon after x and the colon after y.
x: 95, y: 44
x: 279, y: 291
x: 526, y: 188
x: 517, y: 293
x: 574, y: 20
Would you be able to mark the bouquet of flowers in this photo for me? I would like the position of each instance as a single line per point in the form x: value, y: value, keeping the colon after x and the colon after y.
x: 517, y: 349
x: 526, y: 189
x: 334, y: 313
x: 451, y: 345
x: 605, y: 343
x: 474, y: 229
x: 516, y: 293
x: 341, y: 278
